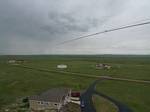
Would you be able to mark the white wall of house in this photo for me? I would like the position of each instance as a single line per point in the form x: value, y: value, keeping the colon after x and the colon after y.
x: 42, y: 105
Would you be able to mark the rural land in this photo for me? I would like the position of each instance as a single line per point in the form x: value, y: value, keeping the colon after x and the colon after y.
x: 38, y: 73
x: 74, y: 55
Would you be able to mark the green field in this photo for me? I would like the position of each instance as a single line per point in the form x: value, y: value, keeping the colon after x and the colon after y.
x: 134, y: 95
x: 17, y: 82
x: 103, y: 105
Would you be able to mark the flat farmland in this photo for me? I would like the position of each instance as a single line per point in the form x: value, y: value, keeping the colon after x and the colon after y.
x: 16, y: 81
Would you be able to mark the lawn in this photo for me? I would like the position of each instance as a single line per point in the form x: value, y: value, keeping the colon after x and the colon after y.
x: 103, y: 105
x: 134, y: 95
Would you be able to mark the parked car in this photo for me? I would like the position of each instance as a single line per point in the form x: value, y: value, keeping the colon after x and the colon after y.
x: 82, y: 104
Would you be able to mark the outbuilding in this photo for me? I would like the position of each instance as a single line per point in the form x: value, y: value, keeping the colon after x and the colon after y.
x: 62, y: 66
x: 11, y: 61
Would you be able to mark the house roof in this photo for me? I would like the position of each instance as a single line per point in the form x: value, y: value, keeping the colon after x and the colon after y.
x: 52, y: 95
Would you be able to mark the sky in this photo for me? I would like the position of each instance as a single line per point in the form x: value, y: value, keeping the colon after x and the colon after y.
x: 38, y: 26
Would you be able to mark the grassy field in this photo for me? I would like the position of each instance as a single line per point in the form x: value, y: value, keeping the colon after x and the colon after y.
x: 103, y: 105
x: 134, y: 95
x: 17, y: 82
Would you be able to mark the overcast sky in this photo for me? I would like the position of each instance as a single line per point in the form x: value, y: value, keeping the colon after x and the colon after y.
x: 37, y: 26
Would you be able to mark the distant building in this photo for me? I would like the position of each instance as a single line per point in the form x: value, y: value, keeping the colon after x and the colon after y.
x: 103, y: 66
x: 12, y: 61
x: 16, y: 61
x: 53, y: 99
x: 62, y: 66
x: 107, y: 66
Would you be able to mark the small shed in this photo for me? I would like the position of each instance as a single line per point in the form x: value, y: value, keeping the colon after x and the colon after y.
x: 62, y: 66
x: 11, y: 61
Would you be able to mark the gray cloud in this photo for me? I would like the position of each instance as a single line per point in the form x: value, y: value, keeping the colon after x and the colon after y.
x: 60, y: 23
x: 35, y: 27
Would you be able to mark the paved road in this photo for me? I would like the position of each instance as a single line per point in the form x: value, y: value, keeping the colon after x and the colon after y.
x: 87, y: 99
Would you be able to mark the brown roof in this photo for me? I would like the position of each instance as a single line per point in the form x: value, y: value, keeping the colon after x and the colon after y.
x: 52, y: 95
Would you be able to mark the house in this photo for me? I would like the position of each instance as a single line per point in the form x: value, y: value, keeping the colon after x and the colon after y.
x: 103, y: 66
x: 62, y: 66
x: 53, y: 99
